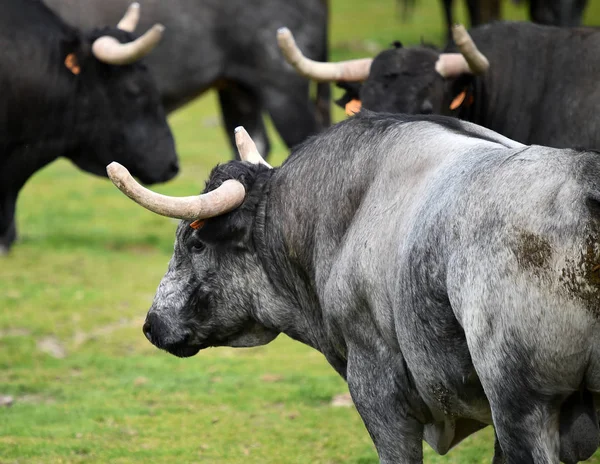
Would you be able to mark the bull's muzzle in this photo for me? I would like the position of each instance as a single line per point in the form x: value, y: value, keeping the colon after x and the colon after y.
x: 160, y: 335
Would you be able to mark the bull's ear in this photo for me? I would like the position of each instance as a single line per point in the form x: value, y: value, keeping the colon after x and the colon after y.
x: 352, y: 92
x: 460, y: 93
x: 233, y: 228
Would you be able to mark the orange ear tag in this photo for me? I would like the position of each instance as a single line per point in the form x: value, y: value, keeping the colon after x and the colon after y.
x: 353, y: 107
x: 458, y: 100
x: 71, y: 63
x: 197, y: 224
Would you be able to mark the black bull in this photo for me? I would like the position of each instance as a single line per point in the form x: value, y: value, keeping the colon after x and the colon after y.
x: 61, y: 97
x: 228, y: 46
x: 549, y: 12
x: 444, y: 271
x: 540, y: 88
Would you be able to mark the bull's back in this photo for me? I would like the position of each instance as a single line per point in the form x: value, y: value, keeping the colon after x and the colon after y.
x: 541, y: 87
x: 210, y: 40
x: 523, y: 263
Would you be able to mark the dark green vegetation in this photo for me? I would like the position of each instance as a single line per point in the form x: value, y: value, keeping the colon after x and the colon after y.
x: 88, y: 387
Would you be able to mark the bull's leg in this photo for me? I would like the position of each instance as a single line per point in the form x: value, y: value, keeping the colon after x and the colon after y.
x: 526, y: 418
x: 291, y: 110
x: 447, y: 6
x: 8, y: 228
x: 379, y: 387
x: 241, y: 107
x: 498, y: 454
x: 474, y: 7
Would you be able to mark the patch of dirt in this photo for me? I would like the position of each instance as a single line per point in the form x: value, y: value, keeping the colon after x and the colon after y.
x: 6, y: 401
x: 581, y: 278
x: 36, y: 399
x: 52, y: 347
x: 533, y: 252
x: 343, y: 400
x: 271, y: 378
x: 82, y: 337
x: 139, y: 381
x: 14, y: 333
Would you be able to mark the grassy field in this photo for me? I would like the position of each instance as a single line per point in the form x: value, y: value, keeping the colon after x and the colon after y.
x: 89, y: 388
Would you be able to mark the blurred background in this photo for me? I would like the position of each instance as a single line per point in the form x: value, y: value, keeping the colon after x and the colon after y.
x: 79, y: 383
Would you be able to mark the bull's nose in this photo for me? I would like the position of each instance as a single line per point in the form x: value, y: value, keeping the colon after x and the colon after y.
x: 173, y: 169
x: 147, y: 329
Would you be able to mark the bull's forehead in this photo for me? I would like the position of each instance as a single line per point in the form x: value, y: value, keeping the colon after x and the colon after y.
x: 404, y: 59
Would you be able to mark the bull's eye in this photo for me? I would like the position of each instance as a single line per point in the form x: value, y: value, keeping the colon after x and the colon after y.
x: 196, y: 246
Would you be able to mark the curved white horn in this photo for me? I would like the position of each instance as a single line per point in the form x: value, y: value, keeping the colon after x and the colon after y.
x: 247, y: 148
x: 223, y: 199
x: 130, y: 19
x: 110, y: 51
x: 452, y: 65
x: 478, y: 63
x: 350, y: 71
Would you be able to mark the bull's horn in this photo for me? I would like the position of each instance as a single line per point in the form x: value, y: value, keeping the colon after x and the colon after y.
x: 452, y: 65
x: 130, y: 19
x: 223, y: 199
x: 478, y: 63
x: 247, y: 148
x: 350, y: 71
x: 110, y: 51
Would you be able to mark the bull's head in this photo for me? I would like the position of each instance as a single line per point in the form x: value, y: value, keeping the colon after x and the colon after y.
x: 117, y: 108
x: 211, y: 293
x: 402, y: 80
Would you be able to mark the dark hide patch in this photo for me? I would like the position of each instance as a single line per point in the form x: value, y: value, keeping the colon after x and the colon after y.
x: 533, y: 252
x: 444, y: 399
x: 581, y: 277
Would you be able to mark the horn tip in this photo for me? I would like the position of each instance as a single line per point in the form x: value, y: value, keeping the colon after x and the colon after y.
x: 284, y: 33
x: 115, y: 169
x: 458, y: 30
x: 135, y: 6
x: 159, y: 27
x: 237, y: 129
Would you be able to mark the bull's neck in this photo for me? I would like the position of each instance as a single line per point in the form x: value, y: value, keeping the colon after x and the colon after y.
x: 309, y: 204
x: 491, y: 107
x: 19, y: 163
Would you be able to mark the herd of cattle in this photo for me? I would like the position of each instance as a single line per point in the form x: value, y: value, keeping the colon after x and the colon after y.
x: 441, y: 247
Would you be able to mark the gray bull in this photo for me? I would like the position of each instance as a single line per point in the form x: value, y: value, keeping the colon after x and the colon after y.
x: 449, y: 274
x: 209, y: 46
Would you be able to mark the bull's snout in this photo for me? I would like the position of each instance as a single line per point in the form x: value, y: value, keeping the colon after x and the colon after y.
x: 159, y: 334
x: 147, y: 329
x: 157, y: 177
x: 155, y: 330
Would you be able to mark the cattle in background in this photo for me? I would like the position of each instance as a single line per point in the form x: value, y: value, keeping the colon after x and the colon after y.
x: 81, y: 96
x: 449, y: 274
x: 535, y: 84
x: 228, y: 46
x: 550, y: 12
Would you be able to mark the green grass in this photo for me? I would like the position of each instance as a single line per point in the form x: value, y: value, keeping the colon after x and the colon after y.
x: 78, y: 284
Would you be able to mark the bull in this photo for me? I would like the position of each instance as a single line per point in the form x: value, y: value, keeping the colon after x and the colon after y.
x: 214, y: 49
x: 565, y: 13
x: 84, y: 96
x: 534, y: 84
x: 447, y: 273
